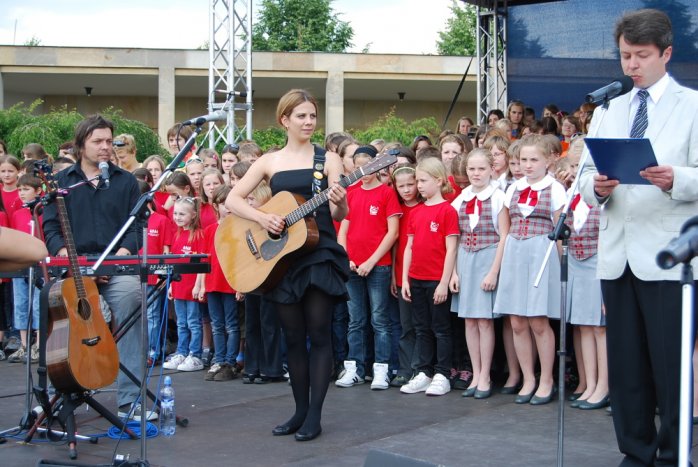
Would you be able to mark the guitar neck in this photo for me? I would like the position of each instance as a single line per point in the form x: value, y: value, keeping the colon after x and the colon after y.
x: 74, y: 265
x: 322, y: 197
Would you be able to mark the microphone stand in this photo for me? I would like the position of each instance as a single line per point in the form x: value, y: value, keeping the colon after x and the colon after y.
x: 140, y: 211
x: 29, y: 416
x: 562, y: 232
x: 686, y: 384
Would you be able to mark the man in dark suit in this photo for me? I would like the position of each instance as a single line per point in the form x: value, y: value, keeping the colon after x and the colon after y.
x: 643, y: 302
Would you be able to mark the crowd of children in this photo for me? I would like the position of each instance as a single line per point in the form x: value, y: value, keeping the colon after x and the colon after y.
x: 443, y: 247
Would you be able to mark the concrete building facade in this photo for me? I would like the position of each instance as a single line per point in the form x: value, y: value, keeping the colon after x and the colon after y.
x: 162, y: 87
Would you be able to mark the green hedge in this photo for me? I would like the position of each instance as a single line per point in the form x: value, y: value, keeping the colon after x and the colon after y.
x: 19, y: 126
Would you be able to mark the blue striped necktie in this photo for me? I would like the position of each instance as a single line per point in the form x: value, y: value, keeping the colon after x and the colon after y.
x: 640, y: 122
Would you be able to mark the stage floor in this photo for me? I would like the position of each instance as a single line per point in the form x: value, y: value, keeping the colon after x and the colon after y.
x: 230, y: 424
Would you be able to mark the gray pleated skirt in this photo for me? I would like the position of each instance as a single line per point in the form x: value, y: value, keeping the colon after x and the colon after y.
x: 472, y: 301
x: 520, y: 264
x: 584, y: 293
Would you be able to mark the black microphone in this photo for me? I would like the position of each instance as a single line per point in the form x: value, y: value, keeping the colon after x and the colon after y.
x: 104, y: 167
x: 682, y: 248
x: 617, y: 88
x: 212, y: 117
x: 232, y: 93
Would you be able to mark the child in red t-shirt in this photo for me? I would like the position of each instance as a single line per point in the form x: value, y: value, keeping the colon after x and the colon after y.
x: 9, y: 176
x: 430, y: 254
x: 405, y: 183
x: 210, y: 180
x: 161, y: 230
x: 28, y: 188
x: 222, y: 306
x: 187, y: 240
x: 368, y: 233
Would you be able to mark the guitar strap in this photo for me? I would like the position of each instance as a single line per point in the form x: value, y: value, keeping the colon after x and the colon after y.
x: 318, y: 169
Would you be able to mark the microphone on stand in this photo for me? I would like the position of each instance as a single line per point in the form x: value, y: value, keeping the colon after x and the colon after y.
x: 682, y: 248
x: 212, y: 117
x: 610, y: 91
x: 232, y: 93
x: 104, y: 167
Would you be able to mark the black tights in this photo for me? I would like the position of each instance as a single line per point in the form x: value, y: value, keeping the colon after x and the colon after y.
x: 309, y: 370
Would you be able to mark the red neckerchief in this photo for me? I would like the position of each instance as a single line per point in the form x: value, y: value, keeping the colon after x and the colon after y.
x: 470, y: 206
x: 528, y: 196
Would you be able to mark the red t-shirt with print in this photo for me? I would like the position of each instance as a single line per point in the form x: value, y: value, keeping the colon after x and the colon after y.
x: 369, y: 211
x: 186, y: 243
x: 429, y: 226
x: 215, y: 280
x: 161, y: 231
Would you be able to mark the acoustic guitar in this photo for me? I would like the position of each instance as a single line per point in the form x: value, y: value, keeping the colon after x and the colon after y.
x: 81, y: 354
x: 253, y: 259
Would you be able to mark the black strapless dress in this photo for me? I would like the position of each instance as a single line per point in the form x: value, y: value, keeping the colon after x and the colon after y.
x: 326, y: 267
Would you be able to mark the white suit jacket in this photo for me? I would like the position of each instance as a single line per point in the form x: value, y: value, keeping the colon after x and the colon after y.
x: 637, y: 221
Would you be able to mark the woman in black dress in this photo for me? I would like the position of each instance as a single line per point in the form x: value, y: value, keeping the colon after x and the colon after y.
x: 306, y: 295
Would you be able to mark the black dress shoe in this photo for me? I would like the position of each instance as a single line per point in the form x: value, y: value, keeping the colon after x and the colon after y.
x: 483, y: 394
x: 300, y: 436
x: 574, y: 396
x: 575, y: 403
x: 510, y: 389
x: 586, y: 405
x: 285, y: 429
x: 524, y: 398
x: 470, y: 392
x: 537, y: 400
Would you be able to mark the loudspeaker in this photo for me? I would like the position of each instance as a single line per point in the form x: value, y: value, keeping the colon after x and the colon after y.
x: 377, y: 458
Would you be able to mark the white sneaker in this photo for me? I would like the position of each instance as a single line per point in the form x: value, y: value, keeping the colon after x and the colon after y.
x: 381, y: 380
x: 349, y: 377
x: 191, y: 363
x: 439, y: 386
x: 419, y: 383
x: 174, y: 361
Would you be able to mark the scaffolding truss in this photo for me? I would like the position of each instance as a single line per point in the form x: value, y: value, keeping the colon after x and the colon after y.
x: 230, y: 70
x: 491, y: 45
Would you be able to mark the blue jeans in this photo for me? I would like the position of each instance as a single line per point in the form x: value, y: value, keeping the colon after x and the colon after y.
x: 123, y: 295
x: 155, y: 322
x: 370, y: 294
x: 20, y: 289
x: 223, y: 310
x: 408, y: 337
x: 189, y: 333
x: 395, y: 333
x: 340, y: 322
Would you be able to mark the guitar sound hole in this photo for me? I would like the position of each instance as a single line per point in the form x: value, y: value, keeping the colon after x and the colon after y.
x: 276, y: 237
x: 84, y: 309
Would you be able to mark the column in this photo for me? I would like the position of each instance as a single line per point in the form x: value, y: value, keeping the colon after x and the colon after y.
x: 2, y: 94
x: 334, y: 102
x: 166, y: 101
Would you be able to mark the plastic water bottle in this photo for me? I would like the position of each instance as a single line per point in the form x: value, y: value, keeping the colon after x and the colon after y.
x: 167, y: 409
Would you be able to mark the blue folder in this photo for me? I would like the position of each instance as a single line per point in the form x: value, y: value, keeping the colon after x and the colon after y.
x: 622, y: 158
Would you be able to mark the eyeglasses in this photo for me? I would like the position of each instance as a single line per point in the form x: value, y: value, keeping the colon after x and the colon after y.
x: 194, y: 160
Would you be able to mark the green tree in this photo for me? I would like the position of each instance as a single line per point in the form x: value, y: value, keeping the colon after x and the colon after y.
x: 393, y: 128
x: 33, y: 42
x: 300, y: 26
x: 459, y: 38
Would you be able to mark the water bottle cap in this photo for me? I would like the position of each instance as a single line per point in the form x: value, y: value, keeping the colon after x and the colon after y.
x: 168, y: 381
